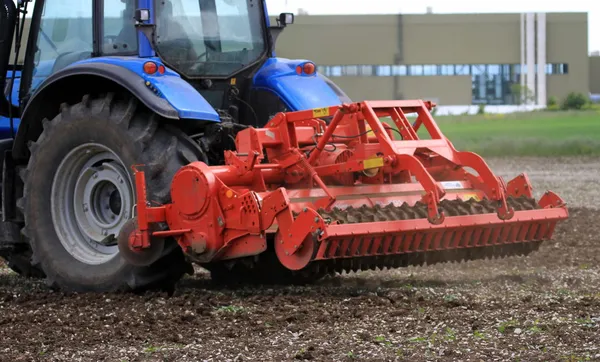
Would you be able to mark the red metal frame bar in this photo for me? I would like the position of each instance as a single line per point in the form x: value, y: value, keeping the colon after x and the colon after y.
x: 147, y: 215
x: 349, y: 126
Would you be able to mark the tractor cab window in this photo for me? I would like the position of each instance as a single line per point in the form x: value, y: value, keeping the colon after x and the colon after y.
x: 65, y: 37
x: 119, y: 35
x: 209, y: 38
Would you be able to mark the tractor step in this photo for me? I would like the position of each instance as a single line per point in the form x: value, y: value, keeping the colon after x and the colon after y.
x: 10, y: 235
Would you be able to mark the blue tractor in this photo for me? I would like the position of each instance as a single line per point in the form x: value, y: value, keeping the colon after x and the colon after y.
x: 107, y: 84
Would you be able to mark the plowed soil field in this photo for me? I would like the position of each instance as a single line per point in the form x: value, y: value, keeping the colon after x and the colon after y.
x: 543, y: 307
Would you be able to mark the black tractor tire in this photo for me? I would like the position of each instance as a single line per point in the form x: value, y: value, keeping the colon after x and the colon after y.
x: 19, y: 261
x: 123, y: 125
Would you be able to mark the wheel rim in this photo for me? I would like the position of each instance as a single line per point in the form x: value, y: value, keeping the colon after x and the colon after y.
x: 91, y: 199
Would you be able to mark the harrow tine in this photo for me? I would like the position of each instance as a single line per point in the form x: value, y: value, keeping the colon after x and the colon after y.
x: 360, y: 241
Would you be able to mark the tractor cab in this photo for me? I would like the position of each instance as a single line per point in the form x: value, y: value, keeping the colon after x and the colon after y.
x: 217, y: 46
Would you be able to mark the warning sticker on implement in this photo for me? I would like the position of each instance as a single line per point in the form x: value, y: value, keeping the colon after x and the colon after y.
x: 452, y: 185
x: 320, y: 112
x: 373, y: 163
x: 467, y: 197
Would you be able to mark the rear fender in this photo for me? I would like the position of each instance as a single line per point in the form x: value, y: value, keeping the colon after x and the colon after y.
x: 166, y: 94
x: 181, y: 96
x: 298, y: 92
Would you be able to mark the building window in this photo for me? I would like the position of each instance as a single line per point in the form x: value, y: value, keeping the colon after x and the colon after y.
x: 415, y: 70
x: 331, y: 70
x: 447, y: 69
x: 383, y: 70
x: 430, y: 70
x: 477, y: 69
x: 350, y: 70
x: 491, y: 83
x: 507, y: 71
x: 552, y: 69
x: 399, y: 70
x: 462, y: 69
x: 366, y: 70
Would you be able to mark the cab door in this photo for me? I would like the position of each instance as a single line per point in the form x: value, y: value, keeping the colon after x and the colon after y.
x: 61, y: 32
x: 64, y: 36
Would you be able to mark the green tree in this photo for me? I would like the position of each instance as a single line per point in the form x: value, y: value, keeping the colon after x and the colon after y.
x: 481, y: 109
x: 574, y: 100
x: 552, y: 104
x: 522, y: 94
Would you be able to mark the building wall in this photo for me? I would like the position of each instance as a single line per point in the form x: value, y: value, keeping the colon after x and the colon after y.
x: 568, y: 43
x: 461, y: 39
x: 443, y: 90
x: 595, y: 75
x: 453, y: 39
x: 367, y: 88
x: 332, y: 39
x: 423, y: 47
x: 21, y: 57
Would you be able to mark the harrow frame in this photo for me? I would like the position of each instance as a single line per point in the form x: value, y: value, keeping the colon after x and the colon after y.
x: 267, y: 187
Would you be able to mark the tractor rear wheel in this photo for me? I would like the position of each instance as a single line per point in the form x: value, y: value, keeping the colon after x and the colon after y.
x: 79, y: 192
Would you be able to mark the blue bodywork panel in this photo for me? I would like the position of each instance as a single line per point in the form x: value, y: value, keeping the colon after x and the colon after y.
x: 170, y: 86
x: 278, y: 75
x: 145, y: 47
x: 179, y: 93
x: 298, y: 92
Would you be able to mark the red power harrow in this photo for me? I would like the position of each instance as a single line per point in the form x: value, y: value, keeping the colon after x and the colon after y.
x: 345, y: 196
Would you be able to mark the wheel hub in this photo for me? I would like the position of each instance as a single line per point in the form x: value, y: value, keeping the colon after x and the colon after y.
x: 92, y: 198
x: 114, y: 202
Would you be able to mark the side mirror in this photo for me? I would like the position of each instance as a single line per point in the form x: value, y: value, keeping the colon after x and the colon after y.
x: 142, y: 15
x: 286, y: 19
x: 142, y: 22
x: 283, y: 20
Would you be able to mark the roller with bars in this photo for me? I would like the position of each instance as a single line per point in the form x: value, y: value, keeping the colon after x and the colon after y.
x: 337, y: 189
